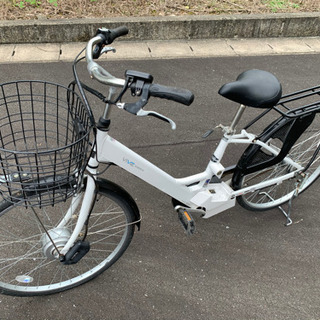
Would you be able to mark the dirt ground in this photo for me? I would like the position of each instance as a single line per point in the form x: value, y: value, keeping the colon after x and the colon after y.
x: 61, y: 9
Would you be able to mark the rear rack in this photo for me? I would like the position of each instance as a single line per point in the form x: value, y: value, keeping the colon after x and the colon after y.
x: 290, y: 104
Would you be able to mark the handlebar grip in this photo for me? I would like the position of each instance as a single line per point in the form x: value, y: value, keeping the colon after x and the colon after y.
x: 107, y: 37
x: 179, y: 95
x: 117, y: 32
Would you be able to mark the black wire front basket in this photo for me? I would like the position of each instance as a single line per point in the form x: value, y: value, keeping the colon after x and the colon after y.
x: 44, y: 142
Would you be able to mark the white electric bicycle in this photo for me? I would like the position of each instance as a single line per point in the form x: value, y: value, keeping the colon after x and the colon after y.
x: 61, y: 224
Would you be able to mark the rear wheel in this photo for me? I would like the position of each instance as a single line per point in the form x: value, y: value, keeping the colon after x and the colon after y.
x: 301, y: 152
x: 29, y: 264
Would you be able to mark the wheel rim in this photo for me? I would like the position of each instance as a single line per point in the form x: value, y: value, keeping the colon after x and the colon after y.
x: 28, y: 268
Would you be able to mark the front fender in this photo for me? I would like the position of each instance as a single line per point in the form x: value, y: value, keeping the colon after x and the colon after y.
x: 109, y: 186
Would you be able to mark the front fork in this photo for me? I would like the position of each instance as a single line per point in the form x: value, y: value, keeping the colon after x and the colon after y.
x: 86, y: 206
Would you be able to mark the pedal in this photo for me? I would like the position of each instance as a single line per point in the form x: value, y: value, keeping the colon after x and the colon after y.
x: 186, y: 221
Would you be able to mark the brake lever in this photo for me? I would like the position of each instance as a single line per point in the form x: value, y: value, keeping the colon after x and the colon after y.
x: 143, y: 113
x: 107, y: 49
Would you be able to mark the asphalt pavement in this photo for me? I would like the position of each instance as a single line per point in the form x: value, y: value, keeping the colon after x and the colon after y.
x: 239, y: 264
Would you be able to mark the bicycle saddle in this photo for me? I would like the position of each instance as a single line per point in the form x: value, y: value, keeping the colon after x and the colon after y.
x: 253, y: 88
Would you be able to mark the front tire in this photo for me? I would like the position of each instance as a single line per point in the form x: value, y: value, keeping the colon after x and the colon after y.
x: 26, y: 266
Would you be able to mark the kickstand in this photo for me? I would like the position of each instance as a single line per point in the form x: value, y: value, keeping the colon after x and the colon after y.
x: 287, y: 214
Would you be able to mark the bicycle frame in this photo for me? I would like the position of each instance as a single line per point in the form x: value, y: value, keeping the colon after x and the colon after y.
x: 196, y: 191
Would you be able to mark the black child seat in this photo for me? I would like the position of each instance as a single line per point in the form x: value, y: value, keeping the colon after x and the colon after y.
x: 254, y: 88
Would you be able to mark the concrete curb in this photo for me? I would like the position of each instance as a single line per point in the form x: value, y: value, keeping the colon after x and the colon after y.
x: 165, y: 28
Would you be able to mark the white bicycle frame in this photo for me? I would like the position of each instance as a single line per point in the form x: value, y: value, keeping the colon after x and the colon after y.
x: 195, y: 191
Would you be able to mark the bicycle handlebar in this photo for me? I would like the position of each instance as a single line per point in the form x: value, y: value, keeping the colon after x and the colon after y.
x: 105, y: 37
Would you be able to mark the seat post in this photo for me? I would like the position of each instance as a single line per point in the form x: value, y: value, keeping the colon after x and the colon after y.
x: 237, y: 118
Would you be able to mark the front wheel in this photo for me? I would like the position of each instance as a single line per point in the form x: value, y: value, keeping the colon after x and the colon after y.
x: 29, y: 264
x: 301, y: 152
